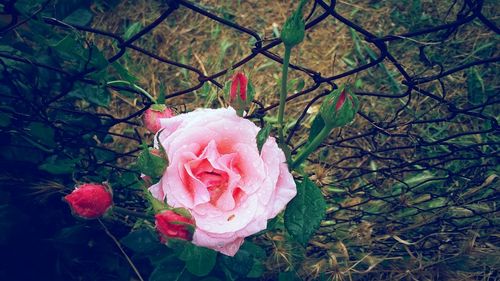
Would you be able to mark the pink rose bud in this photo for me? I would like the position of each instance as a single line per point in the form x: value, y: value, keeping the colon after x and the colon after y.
x: 339, y: 108
x: 89, y: 200
x: 239, y: 92
x: 152, y: 116
x: 341, y: 101
x: 147, y: 179
x: 173, y: 225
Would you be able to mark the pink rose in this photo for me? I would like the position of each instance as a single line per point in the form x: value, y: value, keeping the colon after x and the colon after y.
x: 89, y: 200
x: 216, y: 172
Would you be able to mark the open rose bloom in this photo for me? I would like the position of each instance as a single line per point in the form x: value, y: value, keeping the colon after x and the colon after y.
x: 215, y: 171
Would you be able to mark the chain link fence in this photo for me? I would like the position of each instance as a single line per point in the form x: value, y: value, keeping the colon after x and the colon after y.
x: 411, y: 191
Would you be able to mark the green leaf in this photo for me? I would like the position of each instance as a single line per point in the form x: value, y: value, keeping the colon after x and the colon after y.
x: 98, y: 59
x: 262, y: 136
x: 316, y: 127
x: 104, y: 155
x: 42, y: 133
x: 141, y: 241
x: 58, y: 165
x: 150, y: 164
x: 132, y: 30
x: 91, y: 93
x: 358, y: 84
x: 241, y: 264
x: 69, y: 49
x: 199, y: 260
x: 259, y: 255
x: 305, y: 212
x: 80, y: 17
x: 124, y: 73
x: 257, y: 270
x: 300, y: 85
x: 171, y: 272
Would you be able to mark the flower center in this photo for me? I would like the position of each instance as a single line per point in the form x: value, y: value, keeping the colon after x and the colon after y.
x: 216, y: 183
x: 214, y: 178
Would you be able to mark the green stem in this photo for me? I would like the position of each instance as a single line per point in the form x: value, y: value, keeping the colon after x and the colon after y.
x: 239, y: 112
x: 128, y: 212
x: 311, y: 147
x: 144, y: 92
x: 284, y: 80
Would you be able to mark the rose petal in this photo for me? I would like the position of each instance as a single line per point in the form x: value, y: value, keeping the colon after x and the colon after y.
x: 226, y: 244
x: 157, y: 191
x: 285, y: 191
x: 174, y: 181
x: 251, y: 167
x: 214, y: 220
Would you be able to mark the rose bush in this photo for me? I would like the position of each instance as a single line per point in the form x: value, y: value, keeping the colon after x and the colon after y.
x: 216, y: 172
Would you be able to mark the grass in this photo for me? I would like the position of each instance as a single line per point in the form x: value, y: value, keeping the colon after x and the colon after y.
x: 391, y: 223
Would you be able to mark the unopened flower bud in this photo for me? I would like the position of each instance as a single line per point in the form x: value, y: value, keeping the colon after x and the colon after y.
x: 294, y: 28
x: 152, y: 116
x: 339, y: 108
x: 239, y: 92
x: 89, y: 200
x: 173, y: 225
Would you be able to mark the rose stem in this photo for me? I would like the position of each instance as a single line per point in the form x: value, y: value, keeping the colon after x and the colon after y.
x: 121, y: 250
x: 144, y: 92
x: 281, y: 110
x: 125, y: 211
x: 240, y: 112
x: 318, y: 139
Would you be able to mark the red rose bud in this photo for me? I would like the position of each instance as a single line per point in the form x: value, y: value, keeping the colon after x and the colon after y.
x: 89, y: 200
x: 238, y: 87
x: 239, y: 92
x: 152, y: 116
x: 339, y: 108
x: 173, y: 225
